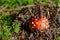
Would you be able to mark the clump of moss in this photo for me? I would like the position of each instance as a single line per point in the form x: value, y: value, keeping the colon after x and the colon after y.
x: 6, y: 27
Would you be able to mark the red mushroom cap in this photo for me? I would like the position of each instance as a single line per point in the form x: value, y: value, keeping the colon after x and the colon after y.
x: 40, y: 23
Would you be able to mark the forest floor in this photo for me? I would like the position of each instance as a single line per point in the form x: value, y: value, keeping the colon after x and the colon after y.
x: 51, y: 12
x: 26, y: 12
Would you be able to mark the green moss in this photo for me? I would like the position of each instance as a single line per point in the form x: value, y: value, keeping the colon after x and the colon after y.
x: 6, y: 28
x: 58, y: 2
x: 57, y: 38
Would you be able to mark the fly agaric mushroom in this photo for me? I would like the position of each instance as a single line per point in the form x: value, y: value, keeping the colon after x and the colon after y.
x: 39, y: 24
x: 44, y: 23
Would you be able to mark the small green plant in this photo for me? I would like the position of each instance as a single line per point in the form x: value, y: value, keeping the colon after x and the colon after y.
x: 6, y: 26
x: 25, y: 2
x: 16, y: 27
